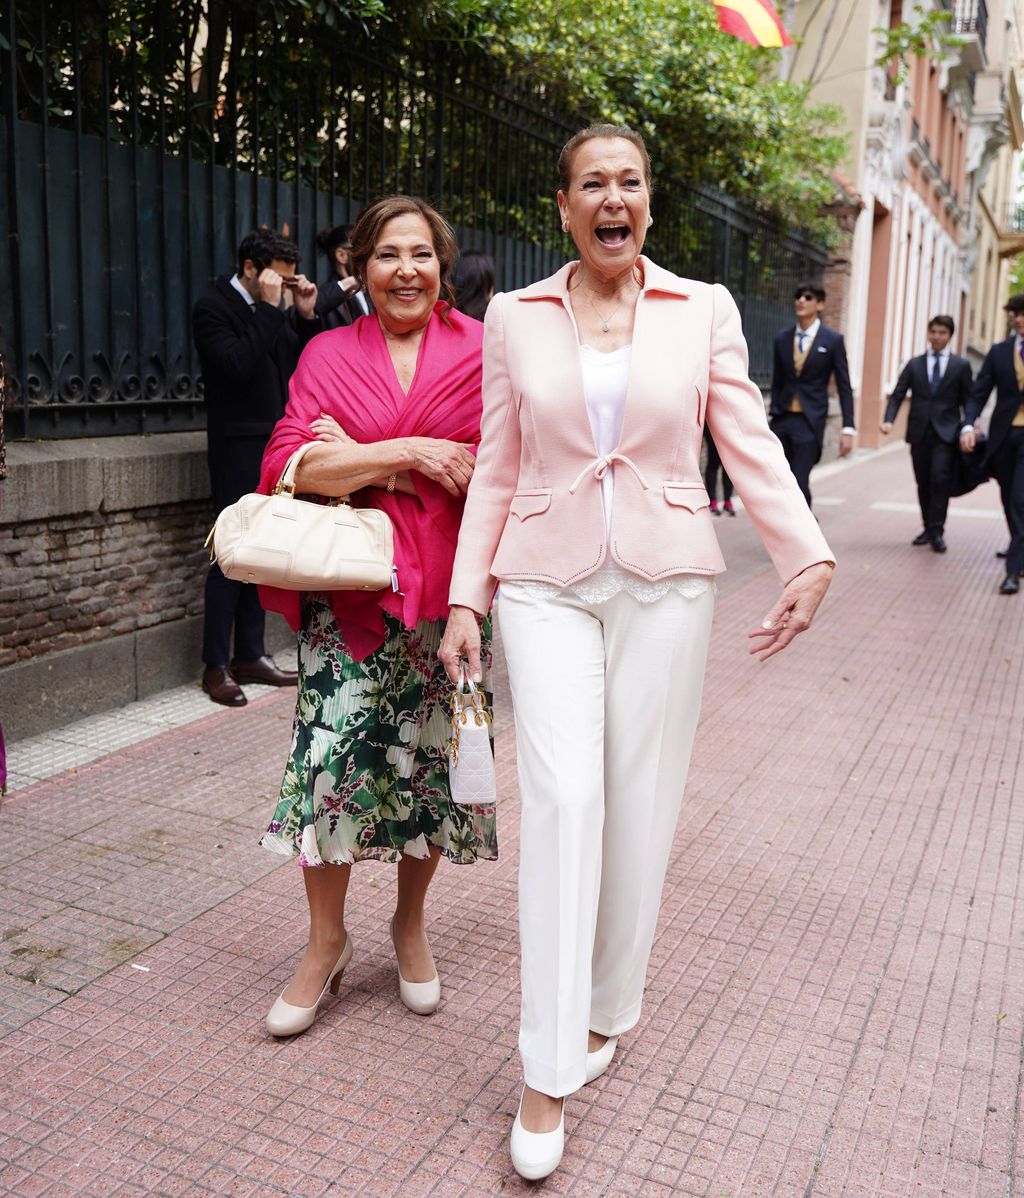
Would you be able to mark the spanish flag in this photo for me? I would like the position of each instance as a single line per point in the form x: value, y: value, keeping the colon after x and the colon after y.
x: 753, y: 21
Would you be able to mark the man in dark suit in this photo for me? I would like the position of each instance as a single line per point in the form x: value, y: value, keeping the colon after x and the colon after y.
x: 1003, y: 369
x: 248, y: 344
x: 340, y: 299
x: 939, y: 383
x: 807, y: 355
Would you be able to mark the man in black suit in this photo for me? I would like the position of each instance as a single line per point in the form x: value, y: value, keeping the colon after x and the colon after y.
x: 807, y: 355
x: 1003, y: 369
x: 340, y: 299
x: 939, y: 383
x: 248, y: 344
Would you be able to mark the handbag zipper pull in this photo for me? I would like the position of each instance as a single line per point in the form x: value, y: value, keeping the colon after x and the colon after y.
x: 394, y: 580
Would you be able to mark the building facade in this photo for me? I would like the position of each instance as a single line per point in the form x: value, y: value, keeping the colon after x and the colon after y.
x: 931, y: 165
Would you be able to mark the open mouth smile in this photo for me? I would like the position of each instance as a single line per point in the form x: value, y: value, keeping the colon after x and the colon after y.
x: 612, y: 235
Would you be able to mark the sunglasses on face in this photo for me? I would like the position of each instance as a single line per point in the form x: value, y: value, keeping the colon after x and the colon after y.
x: 809, y: 295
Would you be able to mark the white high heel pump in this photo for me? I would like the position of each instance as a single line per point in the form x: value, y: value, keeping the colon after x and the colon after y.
x: 286, y: 1019
x: 535, y: 1154
x: 422, y: 998
x: 598, y: 1062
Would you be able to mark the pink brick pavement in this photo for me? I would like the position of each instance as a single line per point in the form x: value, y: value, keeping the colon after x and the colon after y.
x: 835, y: 1001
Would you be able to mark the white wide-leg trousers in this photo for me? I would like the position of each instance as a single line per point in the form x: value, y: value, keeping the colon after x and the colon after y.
x: 606, y: 700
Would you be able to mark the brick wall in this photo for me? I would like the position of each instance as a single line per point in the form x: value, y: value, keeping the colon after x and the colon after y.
x: 102, y: 568
x: 77, y: 579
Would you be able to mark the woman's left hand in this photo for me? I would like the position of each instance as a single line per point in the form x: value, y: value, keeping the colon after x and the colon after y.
x: 794, y: 611
x: 327, y: 428
x: 461, y: 641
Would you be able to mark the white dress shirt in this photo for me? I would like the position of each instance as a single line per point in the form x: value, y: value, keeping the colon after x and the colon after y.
x: 943, y: 356
x: 242, y: 291
x: 808, y: 335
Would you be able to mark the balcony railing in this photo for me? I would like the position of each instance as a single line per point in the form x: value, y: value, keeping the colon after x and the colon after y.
x: 1013, y: 219
x: 970, y: 17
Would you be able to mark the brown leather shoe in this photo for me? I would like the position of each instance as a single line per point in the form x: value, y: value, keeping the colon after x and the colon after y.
x: 265, y: 670
x: 222, y: 687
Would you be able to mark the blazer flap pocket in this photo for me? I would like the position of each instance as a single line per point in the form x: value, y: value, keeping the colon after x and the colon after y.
x: 530, y: 503
x: 688, y: 495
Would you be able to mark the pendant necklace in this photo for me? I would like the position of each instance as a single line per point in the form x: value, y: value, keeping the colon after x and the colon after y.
x: 605, y: 321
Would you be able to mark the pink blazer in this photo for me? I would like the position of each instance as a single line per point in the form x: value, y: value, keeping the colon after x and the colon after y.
x: 534, y: 509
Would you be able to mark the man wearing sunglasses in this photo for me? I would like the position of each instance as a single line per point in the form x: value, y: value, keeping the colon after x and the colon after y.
x: 807, y: 355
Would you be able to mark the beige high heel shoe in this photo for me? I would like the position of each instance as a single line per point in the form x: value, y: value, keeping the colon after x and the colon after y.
x: 422, y: 998
x: 285, y: 1019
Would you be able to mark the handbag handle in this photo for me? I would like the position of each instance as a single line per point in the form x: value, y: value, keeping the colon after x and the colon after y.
x: 287, y: 480
x: 467, y: 698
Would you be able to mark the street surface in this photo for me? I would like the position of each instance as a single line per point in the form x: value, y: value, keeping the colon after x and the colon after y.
x: 835, y: 1003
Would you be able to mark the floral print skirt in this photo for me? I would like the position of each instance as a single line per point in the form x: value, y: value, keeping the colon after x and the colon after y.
x: 368, y: 772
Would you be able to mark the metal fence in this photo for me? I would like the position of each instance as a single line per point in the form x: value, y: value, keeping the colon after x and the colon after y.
x: 133, y: 168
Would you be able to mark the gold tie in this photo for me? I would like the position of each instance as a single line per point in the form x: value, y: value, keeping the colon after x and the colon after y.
x: 1018, y: 367
x: 799, y: 358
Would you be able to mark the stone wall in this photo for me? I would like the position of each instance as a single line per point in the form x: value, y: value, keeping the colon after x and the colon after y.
x: 101, y: 574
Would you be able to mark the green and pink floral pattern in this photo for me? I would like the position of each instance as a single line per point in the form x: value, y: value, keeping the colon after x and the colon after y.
x: 368, y: 772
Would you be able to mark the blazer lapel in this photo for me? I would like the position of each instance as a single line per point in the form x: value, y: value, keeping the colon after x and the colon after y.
x: 921, y: 385
x: 655, y: 350
x: 1009, y: 363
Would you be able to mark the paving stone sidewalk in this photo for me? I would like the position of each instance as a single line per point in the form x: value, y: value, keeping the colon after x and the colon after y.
x: 836, y: 997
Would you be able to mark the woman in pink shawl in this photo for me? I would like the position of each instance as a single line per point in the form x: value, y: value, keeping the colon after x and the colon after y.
x: 394, y: 404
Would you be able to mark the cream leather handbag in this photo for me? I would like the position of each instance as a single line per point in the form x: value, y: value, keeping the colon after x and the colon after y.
x: 280, y: 541
x: 470, y: 759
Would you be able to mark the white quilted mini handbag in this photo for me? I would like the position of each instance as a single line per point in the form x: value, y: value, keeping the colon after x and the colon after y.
x: 470, y: 759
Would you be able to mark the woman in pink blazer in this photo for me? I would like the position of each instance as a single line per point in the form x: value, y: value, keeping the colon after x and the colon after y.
x: 587, y: 505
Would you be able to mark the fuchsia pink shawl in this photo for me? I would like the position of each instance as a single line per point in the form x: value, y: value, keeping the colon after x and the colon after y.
x: 347, y: 373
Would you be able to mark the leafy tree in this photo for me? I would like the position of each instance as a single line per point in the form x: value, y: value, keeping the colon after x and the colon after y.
x: 1016, y: 283
x: 926, y: 35
x: 710, y: 105
x: 712, y: 108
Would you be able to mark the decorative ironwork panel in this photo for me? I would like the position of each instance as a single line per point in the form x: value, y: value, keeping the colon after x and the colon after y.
x: 133, y: 168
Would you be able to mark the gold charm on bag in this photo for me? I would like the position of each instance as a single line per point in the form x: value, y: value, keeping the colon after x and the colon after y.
x: 461, y: 713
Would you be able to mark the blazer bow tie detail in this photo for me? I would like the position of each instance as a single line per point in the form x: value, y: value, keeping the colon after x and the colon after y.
x: 600, y: 467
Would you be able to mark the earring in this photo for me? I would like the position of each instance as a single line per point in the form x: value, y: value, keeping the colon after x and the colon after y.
x: 565, y: 226
x: 650, y: 221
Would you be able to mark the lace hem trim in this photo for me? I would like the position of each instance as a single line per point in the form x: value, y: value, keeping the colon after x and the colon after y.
x: 606, y: 583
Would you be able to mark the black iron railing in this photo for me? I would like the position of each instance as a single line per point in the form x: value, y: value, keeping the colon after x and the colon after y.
x: 141, y: 139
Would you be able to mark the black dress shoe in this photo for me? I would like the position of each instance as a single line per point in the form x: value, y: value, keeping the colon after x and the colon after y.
x: 222, y: 687
x: 938, y: 544
x: 922, y: 538
x: 1009, y: 585
x: 265, y: 670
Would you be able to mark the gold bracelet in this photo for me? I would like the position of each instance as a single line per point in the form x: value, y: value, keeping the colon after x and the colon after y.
x: 392, y: 479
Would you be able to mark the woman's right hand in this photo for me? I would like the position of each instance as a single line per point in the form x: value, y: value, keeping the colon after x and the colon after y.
x: 461, y: 640
x: 327, y: 428
x: 446, y: 462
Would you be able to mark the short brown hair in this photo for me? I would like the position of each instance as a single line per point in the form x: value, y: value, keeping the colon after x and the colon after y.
x: 370, y: 224
x: 943, y: 322
x: 588, y: 134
